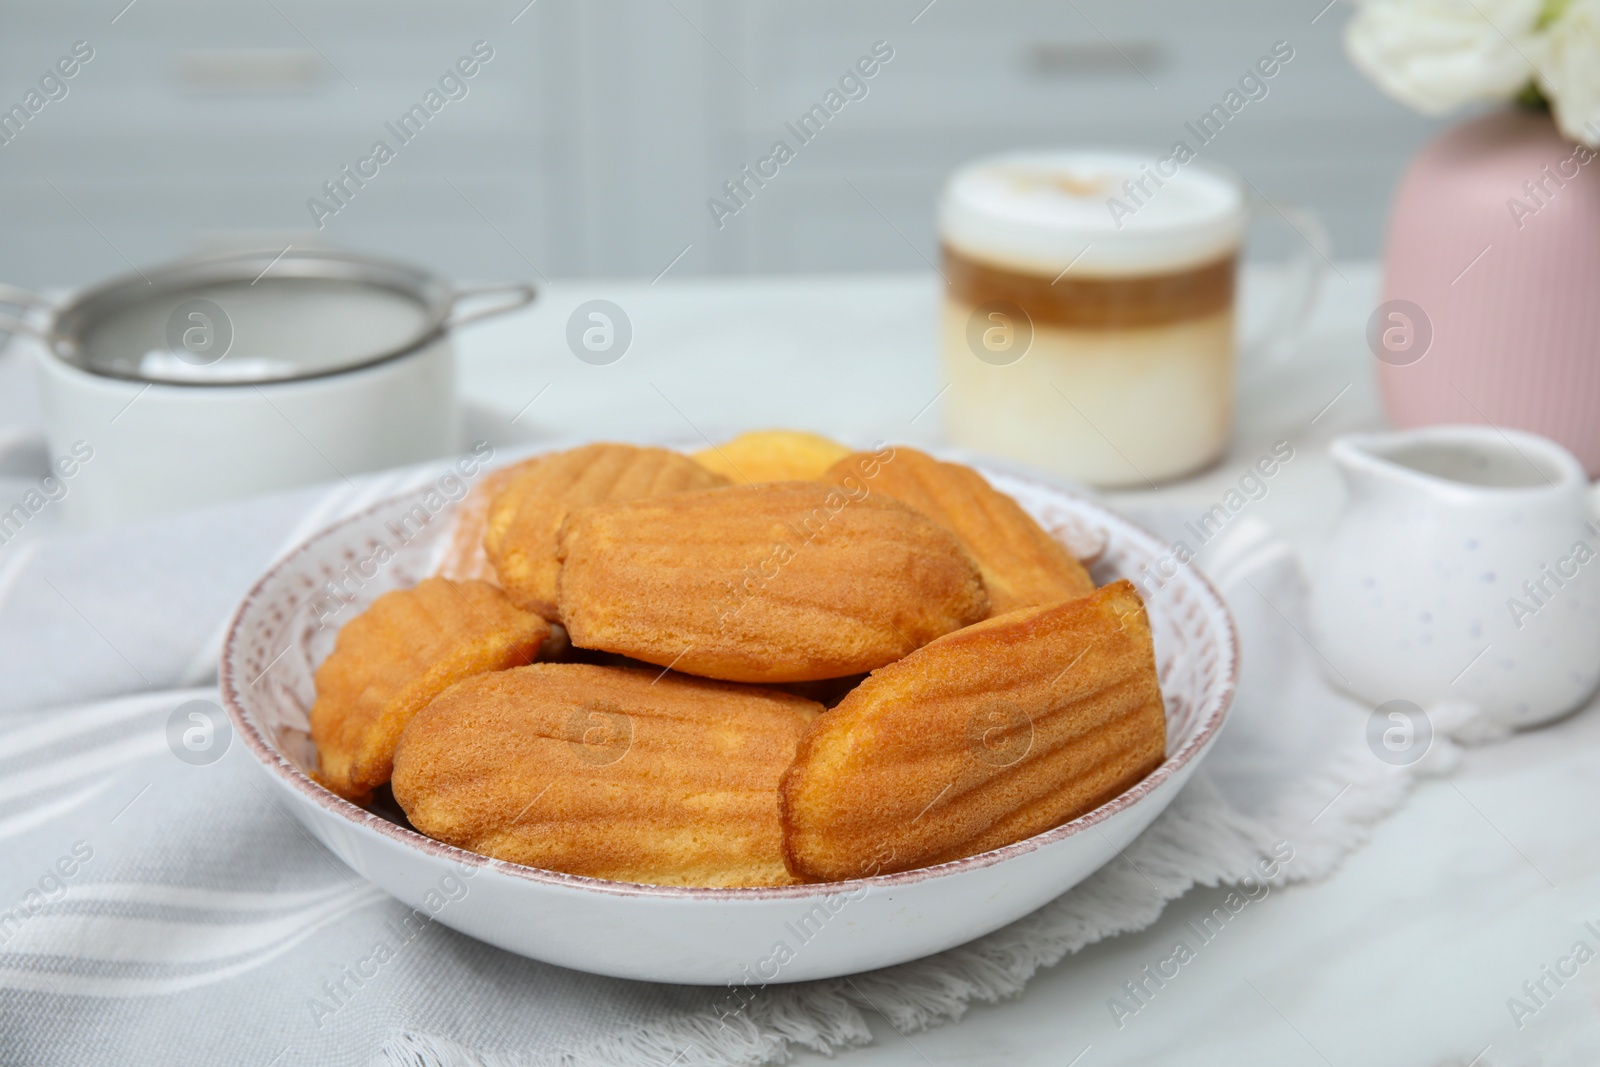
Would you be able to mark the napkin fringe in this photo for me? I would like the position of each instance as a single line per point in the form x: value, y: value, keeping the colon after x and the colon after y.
x: 826, y: 1022
x: 1360, y: 793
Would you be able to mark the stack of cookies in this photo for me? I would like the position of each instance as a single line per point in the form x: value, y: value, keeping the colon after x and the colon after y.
x: 776, y: 661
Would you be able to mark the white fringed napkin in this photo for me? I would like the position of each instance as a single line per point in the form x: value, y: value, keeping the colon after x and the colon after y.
x: 205, y: 923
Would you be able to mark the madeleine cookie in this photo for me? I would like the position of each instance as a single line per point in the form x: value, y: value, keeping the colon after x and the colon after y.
x: 464, y: 556
x: 780, y: 582
x: 772, y: 456
x: 982, y: 738
x: 524, y: 518
x: 395, y: 657
x: 1022, y: 565
x: 626, y: 774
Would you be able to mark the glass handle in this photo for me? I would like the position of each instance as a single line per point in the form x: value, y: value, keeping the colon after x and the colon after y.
x: 1304, y: 273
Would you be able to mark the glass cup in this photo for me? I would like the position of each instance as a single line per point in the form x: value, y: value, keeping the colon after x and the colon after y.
x: 1088, y: 324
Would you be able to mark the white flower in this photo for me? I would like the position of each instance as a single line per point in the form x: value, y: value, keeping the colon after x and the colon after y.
x: 1569, y: 73
x: 1435, y: 55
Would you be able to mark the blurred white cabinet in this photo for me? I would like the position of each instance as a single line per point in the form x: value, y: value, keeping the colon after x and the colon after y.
x: 593, y: 139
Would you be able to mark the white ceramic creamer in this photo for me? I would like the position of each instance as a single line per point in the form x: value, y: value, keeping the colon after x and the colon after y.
x: 1465, y: 568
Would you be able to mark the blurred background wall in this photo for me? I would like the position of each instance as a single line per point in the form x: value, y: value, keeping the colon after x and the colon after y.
x: 591, y: 141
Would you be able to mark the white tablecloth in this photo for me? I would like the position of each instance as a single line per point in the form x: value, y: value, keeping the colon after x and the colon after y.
x: 1408, y: 955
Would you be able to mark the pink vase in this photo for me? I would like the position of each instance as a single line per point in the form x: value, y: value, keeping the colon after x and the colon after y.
x: 1492, y: 284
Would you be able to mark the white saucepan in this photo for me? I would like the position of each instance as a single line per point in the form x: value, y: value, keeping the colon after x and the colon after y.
x: 214, y: 378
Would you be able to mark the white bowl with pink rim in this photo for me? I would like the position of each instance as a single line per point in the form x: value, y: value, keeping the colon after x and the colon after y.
x: 701, y: 936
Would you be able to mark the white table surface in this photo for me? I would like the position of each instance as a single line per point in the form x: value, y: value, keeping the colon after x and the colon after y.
x: 1406, y: 956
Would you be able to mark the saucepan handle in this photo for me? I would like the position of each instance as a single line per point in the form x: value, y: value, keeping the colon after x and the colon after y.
x: 517, y: 295
x: 24, y: 453
x: 28, y: 300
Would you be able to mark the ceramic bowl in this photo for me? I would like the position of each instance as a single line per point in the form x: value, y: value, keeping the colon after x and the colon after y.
x: 698, y: 936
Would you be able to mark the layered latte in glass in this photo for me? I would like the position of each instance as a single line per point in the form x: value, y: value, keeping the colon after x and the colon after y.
x: 1088, y: 321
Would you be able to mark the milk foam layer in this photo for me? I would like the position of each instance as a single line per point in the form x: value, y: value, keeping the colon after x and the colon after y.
x: 1041, y: 212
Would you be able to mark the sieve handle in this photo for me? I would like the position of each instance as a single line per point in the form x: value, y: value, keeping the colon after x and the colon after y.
x: 517, y: 295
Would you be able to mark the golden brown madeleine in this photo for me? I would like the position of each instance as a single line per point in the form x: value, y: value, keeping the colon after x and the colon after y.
x: 1022, y: 564
x: 772, y: 456
x: 525, y: 517
x: 396, y: 656
x: 628, y: 774
x: 464, y: 556
x: 988, y: 736
x: 781, y: 582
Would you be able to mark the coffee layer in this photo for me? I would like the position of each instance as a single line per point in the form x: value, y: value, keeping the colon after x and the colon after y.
x: 1096, y: 303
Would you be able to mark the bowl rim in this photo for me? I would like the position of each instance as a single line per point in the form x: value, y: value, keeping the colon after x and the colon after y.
x: 319, y: 796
